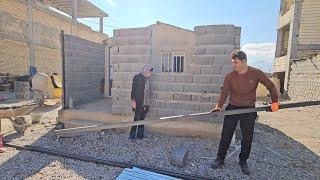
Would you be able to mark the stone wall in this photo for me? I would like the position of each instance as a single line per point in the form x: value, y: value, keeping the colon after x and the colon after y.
x: 304, y: 82
x: 175, y: 93
x: 84, y: 70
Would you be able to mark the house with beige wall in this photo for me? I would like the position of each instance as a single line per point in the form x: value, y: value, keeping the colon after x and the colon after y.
x: 30, y: 32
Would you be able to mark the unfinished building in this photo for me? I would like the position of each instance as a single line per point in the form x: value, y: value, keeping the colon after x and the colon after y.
x: 30, y: 32
x: 189, y: 66
x: 298, y: 42
x: 189, y: 69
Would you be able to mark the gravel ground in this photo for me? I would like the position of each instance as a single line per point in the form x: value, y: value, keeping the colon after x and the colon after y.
x: 273, y: 156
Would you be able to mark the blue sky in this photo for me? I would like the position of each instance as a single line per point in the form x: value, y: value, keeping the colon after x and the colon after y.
x: 257, y: 18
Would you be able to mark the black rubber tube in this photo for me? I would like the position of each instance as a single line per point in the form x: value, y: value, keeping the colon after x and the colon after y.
x: 106, y: 162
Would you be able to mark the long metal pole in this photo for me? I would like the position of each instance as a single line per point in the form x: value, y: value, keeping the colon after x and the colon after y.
x: 173, y: 118
x: 176, y: 174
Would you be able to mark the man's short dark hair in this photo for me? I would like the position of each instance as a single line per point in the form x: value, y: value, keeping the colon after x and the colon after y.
x: 239, y: 54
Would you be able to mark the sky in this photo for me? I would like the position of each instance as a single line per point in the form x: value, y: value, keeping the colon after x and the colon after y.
x: 257, y: 19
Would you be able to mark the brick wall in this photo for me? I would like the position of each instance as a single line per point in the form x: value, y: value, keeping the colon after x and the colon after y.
x: 175, y: 93
x: 47, y: 24
x: 84, y: 69
x: 304, y: 83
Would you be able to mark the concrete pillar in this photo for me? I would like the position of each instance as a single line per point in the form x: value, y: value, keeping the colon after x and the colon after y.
x: 74, y: 14
x: 293, y: 39
x: 30, y: 33
x: 101, y: 25
x: 279, y: 43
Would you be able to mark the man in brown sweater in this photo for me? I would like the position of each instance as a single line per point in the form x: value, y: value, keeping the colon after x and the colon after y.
x: 241, y: 85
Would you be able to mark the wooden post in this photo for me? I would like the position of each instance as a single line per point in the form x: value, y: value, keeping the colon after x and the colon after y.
x: 101, y: 25
x: 74, y: 6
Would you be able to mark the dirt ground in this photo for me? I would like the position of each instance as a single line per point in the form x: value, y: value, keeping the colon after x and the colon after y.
x: 301, y: 124
x: 287, y: 146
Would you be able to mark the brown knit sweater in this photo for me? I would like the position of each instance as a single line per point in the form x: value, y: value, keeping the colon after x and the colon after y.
x: 242, y: 88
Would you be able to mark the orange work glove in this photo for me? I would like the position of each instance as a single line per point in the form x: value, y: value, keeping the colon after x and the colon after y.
x: 274, y: 106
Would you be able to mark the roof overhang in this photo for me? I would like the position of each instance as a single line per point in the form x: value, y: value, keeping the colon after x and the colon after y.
x: 85, y: 9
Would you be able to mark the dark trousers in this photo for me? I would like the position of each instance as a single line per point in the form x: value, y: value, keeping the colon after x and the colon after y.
x: 229, y: 125
x: 138, y: 131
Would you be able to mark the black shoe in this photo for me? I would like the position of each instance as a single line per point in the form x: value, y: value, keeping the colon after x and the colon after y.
x: 244, y: 167
x: 217, y: 163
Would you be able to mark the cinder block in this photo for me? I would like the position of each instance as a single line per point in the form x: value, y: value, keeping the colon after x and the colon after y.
x: 237, y: 31
x: 211, y: 29
x: 202, y: 79
x: 137, y: 67
x: 190, y: 106
x: 183, y: 78
x: 181, y: 97
x: 173, y: 105
x: 125, y: 67
x: 122, y: 84
x: 131, y: 40
x: 210, y: 70
x: 207, y: 88
x: 237, y: 41
x: 218, y: 79
x: 203, y: 59
x: 214, y: 39
x: 120, y: 76
x: 192, y: 88
x: 158, y: 86
x: 116, y: 32
x: 174, y: 87
x: 165, y: 112
x: 194, y: 69
x: 213, y: 49
x: 214, y: 99
x: 200, y: 98
x: 163, y: 77
x: 142, y: 50
x: 204, y: 107
x: 230, y: 29
x: 130, y: 59
x: 226, y: 69
x: 164, y: 96
x: 135, y: 32
x: 222, y: 59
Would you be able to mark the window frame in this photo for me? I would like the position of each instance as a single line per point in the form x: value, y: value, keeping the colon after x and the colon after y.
x: 173, y: 55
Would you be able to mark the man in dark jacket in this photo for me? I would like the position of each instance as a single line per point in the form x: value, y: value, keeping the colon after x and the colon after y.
x: 140, y: 99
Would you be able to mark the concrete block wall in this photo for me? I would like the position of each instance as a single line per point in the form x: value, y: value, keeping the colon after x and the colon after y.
x: 174, y: 93
x: 304, y: 82
x: 84, y: 70
x: 213, y: 46
x: 131, y: 50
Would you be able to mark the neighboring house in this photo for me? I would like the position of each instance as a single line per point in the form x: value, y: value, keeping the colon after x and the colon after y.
x: 30, y: 32
x: 189, y: 66
x: 298, y: 36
